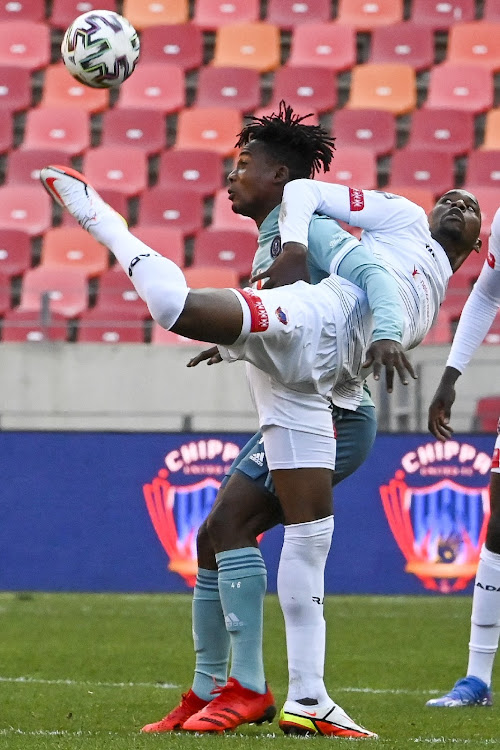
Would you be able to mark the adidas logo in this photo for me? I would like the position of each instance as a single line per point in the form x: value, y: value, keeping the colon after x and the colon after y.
x: 258, y: 458
x: 233, y: 621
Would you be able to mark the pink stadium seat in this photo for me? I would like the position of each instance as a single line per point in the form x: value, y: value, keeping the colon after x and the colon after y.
x: 487, y: 413
x: 214, y: 277
x: 460, y: 86
x: 476, y: 43
x: 325, y: 45
x: 117, y: 298
x: 15, y: 252
x: 143, y: 129
x: 165, y: 240
x: 116, y: 200
x: 432, y: 170
x: 442, y: 130
x: 231, y: 248
x: 161, y: 336
x: 24, y: 165
x: 144, y: 14
x: 64, y: 12
x: 288, y: 14
x: 483, y: 168
x: 212, y: 128
x: 6, y: 134
x: 210, y: 15
x: 392, y: 87
x: 492, y: 129
x: 157, y: 86
x: 124, y: 169
x: 62, y: 128
x: 60, y: 89
x: 25, y: 44
x: 307, y: 89
x: 178, y: 44
x: 5, y: 293
x: 491, y: 10
x: 404, y: 42
x: 365, y: 16
x: 25, y: 207
x: 468, y: 272
x: 70, y: 247
x: 365, y: 128
x: 487, y: 197
x: 439, y: 15
x: 223, y: 216
x: 237, y: 88
x: 353, y: 166
x: 15, y: 89
x: 248, y: 45
x: 22, y: 10
x: 66, y: 289
x: 172, y: 207
x: 26, y: 325
x: 194, y: 169
x: 421, y: 196
x: 96, y: 326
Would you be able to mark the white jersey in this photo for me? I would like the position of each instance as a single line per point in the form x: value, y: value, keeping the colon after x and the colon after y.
x: 394, y: 229
x: 481, y: 307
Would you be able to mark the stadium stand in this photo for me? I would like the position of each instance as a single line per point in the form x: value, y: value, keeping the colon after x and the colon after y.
x: 64, y: 12
x: 120, y: 168
x: 353, y: 166
x: 223, y: 216
x: 433, y: 170
x: 165, y: 240
x: 460, y: 86
x: 69, y: 247
x: 476, y: 43
x: 172, y: 207
x: 388, y: 86
x: 210, y: 15
x: 366, y: 16
x: 15, y: 89
x: 27, y: 10
x: 142, y: 15
x: 450, y: 130
x: 15, y: 252
x: 404, y: 42
x: 492, y: 129
x: 155, y: 85
x: 237, y: 88
x: 142, y: 129
x: 491, y: 10
x: 248, y: 45
x: 440, y: 16
x: 106, y: 327
x: 64, y: 128
x: 196, y: 169
x: 60, y: 89
x: 306, y: 89
x: 367, y: 128
x: 25, y: 207
x: 26, y: 325
x: 5, y: 293
x: 23, y: 166
x: 486, y: 414
x: 180, y: 44
x: 288, y: 14
x: 232, y: 248
x: 24, y: 44
x: 323, y: 45
x: 483, y: 168
x: 65, y: 289
x: 211, y: 128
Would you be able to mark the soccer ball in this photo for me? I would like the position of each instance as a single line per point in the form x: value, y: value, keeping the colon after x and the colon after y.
x: 100, y: 49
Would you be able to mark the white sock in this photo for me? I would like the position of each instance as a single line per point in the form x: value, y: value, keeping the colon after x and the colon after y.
x: 485, y: 619
x: 301, y: 587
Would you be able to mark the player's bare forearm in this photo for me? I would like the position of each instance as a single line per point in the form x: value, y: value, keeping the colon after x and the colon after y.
x: 440, y: 407
x: 391, y: 355
x: 290, y: 266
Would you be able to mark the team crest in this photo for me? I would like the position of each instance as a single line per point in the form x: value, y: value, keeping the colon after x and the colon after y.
x: 276, y: 246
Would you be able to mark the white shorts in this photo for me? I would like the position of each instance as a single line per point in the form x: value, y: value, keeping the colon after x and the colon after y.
x: 292, y: 449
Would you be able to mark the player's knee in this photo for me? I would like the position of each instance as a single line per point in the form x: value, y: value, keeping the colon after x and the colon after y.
x: 165, y: 302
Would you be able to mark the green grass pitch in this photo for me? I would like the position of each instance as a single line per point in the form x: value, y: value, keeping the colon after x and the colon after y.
x: 87, y: 671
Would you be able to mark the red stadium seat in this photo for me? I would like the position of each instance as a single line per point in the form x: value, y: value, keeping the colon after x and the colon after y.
x: 475, y: 43
x: 172, y: 207
x: 25, y: 44
x: 487, y: 414
x: 117, y: 298
x: 460, y: 86
x: 124, y: 169
x: 178, y: 44
x: 96, y: 326
x: 232, y: 248
x: 22, y: 10
x: 404, y: 42
x: 211, y: 128
x: 365, y: 128
x: 288, y: 14
x: 71, y: 247
x: 421, y: 196
x: 66, y: 289
x: 62, y: 128
x: 25, y: 207
x: 5, y: 293
x: 449, y: 130
x: 223, y: 216
x: 493, y: 335
x: 237, y: 88
x: 492, y: 129
x: 157, y: 86
x: 144, y: 14
x: 483, y: 168
x: 366, y: 16
x: 194, y: 169
x: 15, y: 89
x: 325, y: 45
x: 6, y: 134
x: 24, y: 165
x: 141, y: 128
x: 440, y: 16
x: 28, y: 325
x: 64, y: 12
x: 432, y: 170
x: 215, y: 277
x: 353, y: 166
x: 488, y: 200
x: 15, y: 252
x: 161, y: 336
x: 165, y: 240
x: 210, y: 15
x: 309, y: 89
x: 491, y: 10
x: 392, y: 87
x: 60, y: 89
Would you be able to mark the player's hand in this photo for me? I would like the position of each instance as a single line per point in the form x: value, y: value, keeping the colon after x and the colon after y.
x: 391, y: 355
x: 440, y: 411
x: 211, y: 356
x: 290, y: 266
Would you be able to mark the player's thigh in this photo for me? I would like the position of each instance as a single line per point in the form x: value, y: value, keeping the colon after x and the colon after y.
x: 356, y: 432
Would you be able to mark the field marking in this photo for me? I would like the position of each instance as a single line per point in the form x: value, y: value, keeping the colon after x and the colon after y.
x: 454, y: 740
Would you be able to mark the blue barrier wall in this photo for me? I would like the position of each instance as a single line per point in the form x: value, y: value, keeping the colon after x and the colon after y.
x: 74, y: 516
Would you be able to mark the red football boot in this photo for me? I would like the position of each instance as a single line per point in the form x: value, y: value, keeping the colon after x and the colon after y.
x: 234, y: 705
x: 190, y: 704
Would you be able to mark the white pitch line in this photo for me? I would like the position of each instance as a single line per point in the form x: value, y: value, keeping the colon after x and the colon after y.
x: 80, y: 683
x: 453, y: 740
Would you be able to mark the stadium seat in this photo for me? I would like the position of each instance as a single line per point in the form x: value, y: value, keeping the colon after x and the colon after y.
x: 439, y: 15
x: 223, y: 216
x: 15, y: 252
x: 442, y: 130
x: 64, y: 12
x: 143, y: 129
x: 366, y: 128
x: 70, y: 247
x: 25, y: 207
x: 487, y: 197
x: 237, y: 88
x: 421, y: 196
x: 365, y: 16
x: 483, y: 168
x: 23, y: 10
x: 6, y: 133
x: 117, y: 297
x: 226, y: 248
x: 210, y: 15
x: 404, y: 42
x: 25, y: 44
x: 63, y: 128
x: 24, y: 165
x: 248, y: 45
x: 492, y: 129
x: 491, y: 10
x: 26, y: 325
x: 124, y: 169
x: 142, y: 14
x: 324, y: 45
x: 60, y: 89
x: 486, y: 414
x: 157, y: 86
x: 96, y: 326
x: 116, y: 200
x: 449, y: 313
x: 288, y: 14
x: 460, y: 86
x: 468, y: 272
x: 178, y: 44
x: 476, y: 43
x: 194, y: 169
x: 353, y: 166
x: 214, y: 277
x: 66, y: 288
x: 433, y: 170
x: 493, y: 336
x: 15, y: 89
x: 301, y: 109
x: 172, y: 207
x: 309, y: 89
x: 165, y: 240
x: 5, y: 293
x: 209, y: 128
x: 392, y: 87
x: 161, y: 336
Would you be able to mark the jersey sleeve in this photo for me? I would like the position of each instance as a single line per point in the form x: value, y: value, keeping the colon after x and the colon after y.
x: 326, y: 241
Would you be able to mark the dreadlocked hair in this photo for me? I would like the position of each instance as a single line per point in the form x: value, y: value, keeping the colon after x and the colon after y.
x: 305, y: 149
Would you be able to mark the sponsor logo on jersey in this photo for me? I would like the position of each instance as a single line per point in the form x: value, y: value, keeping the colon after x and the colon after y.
x: 259, y: 319
x: 491, y: 259
x: 437, y: 506
x: 356, y: 199
x: 282, y: 315
x: 415, y: 271
x: 495, y: 463
x: 276, y: 246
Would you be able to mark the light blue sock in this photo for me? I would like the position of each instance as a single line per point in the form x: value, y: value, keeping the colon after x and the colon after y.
x: 210, y: 637
x: 242, y: 587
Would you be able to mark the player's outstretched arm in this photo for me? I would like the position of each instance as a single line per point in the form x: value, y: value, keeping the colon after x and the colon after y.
x: 390, y: 355
x: 440, y: 407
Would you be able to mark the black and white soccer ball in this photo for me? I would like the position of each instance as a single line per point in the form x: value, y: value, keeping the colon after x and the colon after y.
x: 100, y: 49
